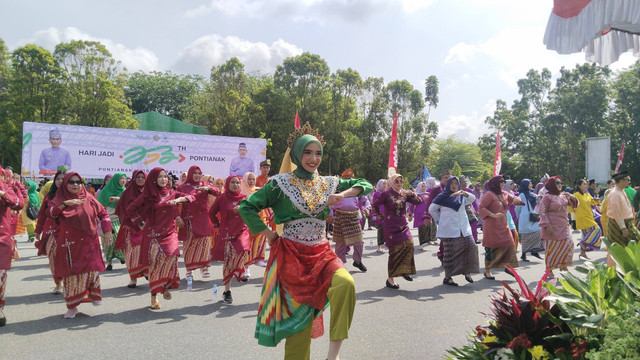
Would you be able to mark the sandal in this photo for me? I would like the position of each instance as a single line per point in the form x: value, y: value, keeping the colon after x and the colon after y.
x: 489, y: 277
x: 155, y: 306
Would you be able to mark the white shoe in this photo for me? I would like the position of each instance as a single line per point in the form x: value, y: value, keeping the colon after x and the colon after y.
x: 247, y: 273
x: 71, y: 313
x: 205, y: 273
x: 96, y: 302
x: 261, y: 263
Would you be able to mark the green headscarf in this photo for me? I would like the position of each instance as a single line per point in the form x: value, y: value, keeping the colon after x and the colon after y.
x: 112, y: 188
x: 33, y: 194
x: 296, y: 155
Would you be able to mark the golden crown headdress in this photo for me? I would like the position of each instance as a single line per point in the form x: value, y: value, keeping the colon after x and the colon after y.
x: 305, y: 129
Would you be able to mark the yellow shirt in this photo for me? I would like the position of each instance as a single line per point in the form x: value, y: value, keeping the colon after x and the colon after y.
x: 584, y: 214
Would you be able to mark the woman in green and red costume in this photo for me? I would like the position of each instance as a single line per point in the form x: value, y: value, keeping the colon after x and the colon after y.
x: 303, y: 274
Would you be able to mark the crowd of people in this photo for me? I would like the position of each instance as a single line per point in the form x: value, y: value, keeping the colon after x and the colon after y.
x: 141, y: 221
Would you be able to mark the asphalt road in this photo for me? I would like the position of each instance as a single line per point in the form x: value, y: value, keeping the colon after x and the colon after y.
x: 419, y: 321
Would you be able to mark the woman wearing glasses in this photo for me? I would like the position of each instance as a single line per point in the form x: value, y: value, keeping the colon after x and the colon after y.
x: 397, y: 234
x: 78, y: 255
x: 555, y: 224
x: 497, y: 239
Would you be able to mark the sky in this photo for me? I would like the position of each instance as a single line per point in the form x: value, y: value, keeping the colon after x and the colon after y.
x: 478, y: 49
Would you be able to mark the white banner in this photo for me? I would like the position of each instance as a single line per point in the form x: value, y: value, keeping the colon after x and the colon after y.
x: 95, y: 152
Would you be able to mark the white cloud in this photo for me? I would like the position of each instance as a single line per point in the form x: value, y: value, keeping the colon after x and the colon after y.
x: 318, y: 11
x: 467, y: 127
x: 510, y: 54
x: 209, y: 50
x: 133, y: 59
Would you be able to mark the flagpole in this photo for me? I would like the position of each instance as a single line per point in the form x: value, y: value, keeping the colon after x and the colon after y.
x: 497, y: 164
x: 393, y: 148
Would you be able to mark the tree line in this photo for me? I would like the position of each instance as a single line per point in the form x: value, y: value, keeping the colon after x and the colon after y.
x: 542, y: 131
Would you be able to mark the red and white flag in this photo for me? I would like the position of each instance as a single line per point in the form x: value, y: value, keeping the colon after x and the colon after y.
x: 497, y: 164
x: 297, y: 123
x: 620, y: 159
x: 393, y: 149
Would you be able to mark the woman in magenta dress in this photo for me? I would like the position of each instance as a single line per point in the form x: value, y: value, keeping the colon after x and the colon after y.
x: 397, y: 234
x: 156, y: 213
x: 197, y: 230
x: 233, y: 241
x: 47, y: 230
x: 8, y: 201
x: 130, y: 236
x: 78, y: 254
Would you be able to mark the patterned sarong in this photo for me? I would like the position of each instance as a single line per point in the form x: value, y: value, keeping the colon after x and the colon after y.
x: 531, y: 242
x: 500, y: 257
x: 3, y: 287
x: 401, y: 261
x: 346, y: 227
x: 257, y: 251
x: 460, y: 256
x: 81, y: 288
x: 233, y: 263
x: 133, y: 256
x: 110, y: 252
x: 615, y: 233
x: 559, y: 254
x: 51, y: 255
x: 591, y: 238
x: 163, y: 270
x: 197, y: 251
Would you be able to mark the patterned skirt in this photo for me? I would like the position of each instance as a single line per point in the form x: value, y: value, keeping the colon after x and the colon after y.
x: 81, y: 288
x: 460, y: 256
x: 424, y: 234
x: 3, y: 287
x: 133, y: 256
x: 346, y: 227
x: 163, y: 270
x: 531, y: 242
x: 294, y: 290
x: 615, y: 233
x: 401, y: 261
x: 51, y: 255
x: 197, y: 251
x: 591, y: 238
x: 559, y: 254
x: 258, y: 247
x: 500, y: 257
x: 233, y: 263
x: 110, y: 252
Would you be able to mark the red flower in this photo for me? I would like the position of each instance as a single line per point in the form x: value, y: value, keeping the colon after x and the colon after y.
x: 481, y: 332
x: 560, y: 351
x: 578, y: 349
x: 520, y: 341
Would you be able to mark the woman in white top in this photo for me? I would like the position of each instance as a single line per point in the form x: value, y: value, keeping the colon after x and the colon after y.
x: 460, y: 250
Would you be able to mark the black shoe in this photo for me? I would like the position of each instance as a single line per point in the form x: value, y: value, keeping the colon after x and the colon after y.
x: 468, y: 278
x: 226, y: 297
x: 536, y: 255
x: 449, y: 281
x: 109, y: 267
x: 3, y: 321
x: 244, y: 279
x: 524, y: 258
x: 407, y: 277
x: 131, y: 286
x: 122, y: 262
x: 489, y: 277
x: 360, y: 266
x: 396, y: 286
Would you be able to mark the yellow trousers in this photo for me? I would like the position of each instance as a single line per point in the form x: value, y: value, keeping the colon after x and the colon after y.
x: 342, y: 302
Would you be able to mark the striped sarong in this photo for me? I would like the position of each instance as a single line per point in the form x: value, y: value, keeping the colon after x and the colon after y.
x: 81, y: 288
x: 559, y: 254
x: 401, y: 261
x: 3, y: 287
x: 51, y: 255
x: 615, y: 233
x: 197, y: 251
x: 233, y: 263
x: 460, y: 256
x: 346, y: 227
x: 257, y: 251
x: 531, y: 242
x: 500, y: 257
x: 163, y: 270
x: 110, y: 252
x: 133, y: 256
x: 591, y: 238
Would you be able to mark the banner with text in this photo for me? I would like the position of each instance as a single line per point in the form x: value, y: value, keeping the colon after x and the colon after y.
x: 95, y: 152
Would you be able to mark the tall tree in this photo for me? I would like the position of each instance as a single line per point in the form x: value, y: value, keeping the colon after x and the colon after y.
x: 95, y: 86
x: 431, y: 93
